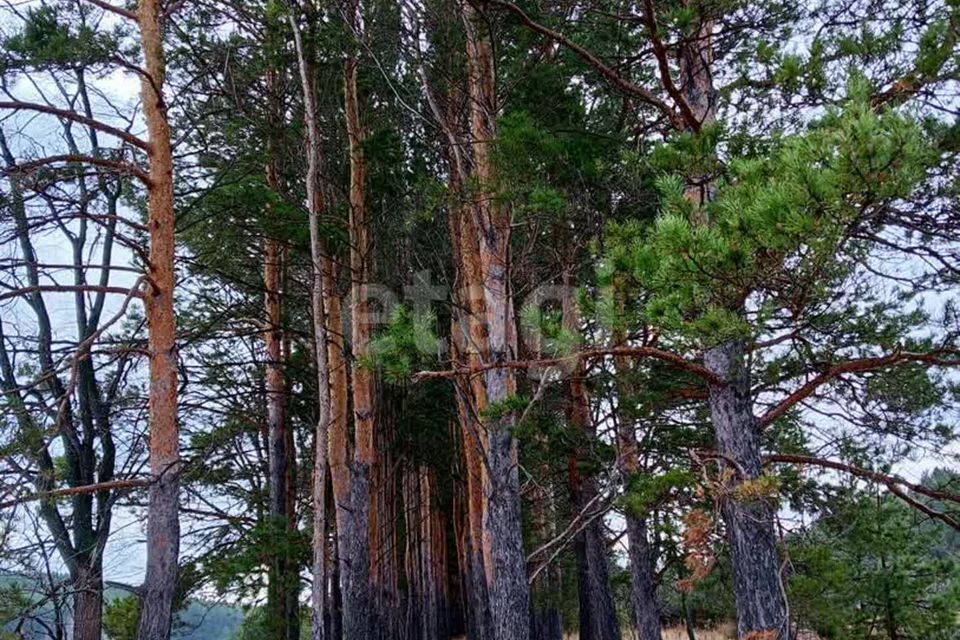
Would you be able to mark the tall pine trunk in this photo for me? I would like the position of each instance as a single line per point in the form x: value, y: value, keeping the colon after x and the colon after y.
x: 504, y: 560
x: 353, y: 519
x: 598, y: 614
x: 645, y: 608
x: 467, y: 332
x: 163, y: 524
x: 284, y: 583
x: 320, y: 268
x: 424, y: 557
x: 760, y: 596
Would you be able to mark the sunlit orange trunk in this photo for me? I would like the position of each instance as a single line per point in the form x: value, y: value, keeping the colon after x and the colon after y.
x: 163, y: 526
x: 488, y: 226
x: 339, y: 389
x: 468, y: 335
x: 353, y: 520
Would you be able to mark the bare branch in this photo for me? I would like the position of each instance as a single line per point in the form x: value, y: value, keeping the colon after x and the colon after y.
x: 66, y: 288
x: 875, y: 476
x: 120, y: 11
x: 860, y: 365
x: 895, y: 484
x: 616, y: 80
x: 638, y: 352
x: 112, y: 485
x: 70, y: 158
x: 76, y: 117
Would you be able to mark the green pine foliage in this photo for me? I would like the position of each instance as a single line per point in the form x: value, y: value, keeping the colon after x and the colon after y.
x: 868, y: 569
x: 777, y: 229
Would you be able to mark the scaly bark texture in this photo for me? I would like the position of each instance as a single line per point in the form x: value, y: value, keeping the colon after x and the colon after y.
x: 320, y: 272
x: 758, y: 589
x: 468, y: 331
x: 163, y: 524
x: 502, y: 543
x: 353, y: 516
x: 761, y: 603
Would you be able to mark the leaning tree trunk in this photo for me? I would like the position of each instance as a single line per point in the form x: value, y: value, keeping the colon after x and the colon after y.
x: 505, y: 563
x: 760, y: 596
x: 163, y: 524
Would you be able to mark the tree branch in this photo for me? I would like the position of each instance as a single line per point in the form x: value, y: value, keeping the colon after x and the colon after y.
x: 893, y: 483
x: 660, y: 52
x: 112, y: 485
x: 70, y: 158
x: 76, y: 117
x: 616, y: 80
x: 67, y: 288
x: 861, y: 365
x: 638, y: 352
x: 120, y: 11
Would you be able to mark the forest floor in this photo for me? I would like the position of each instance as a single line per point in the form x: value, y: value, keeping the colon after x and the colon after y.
x: 722, y: 632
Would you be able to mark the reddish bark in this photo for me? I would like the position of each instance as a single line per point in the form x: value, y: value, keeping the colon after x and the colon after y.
x: 488, y: 226
x: 163, y: 525
x: 353, y: 516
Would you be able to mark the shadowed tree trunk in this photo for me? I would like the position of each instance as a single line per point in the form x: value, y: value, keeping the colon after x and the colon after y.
x: 424, y: 557
x: 88, y: 603
x: 384, y: 564
x: 546, y: 622
x: 643, y: 587
x: 759, y: 592
x: 163, y: 523
x: 283, y: 582
x: 598, y: 614
x: 688, y: 617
